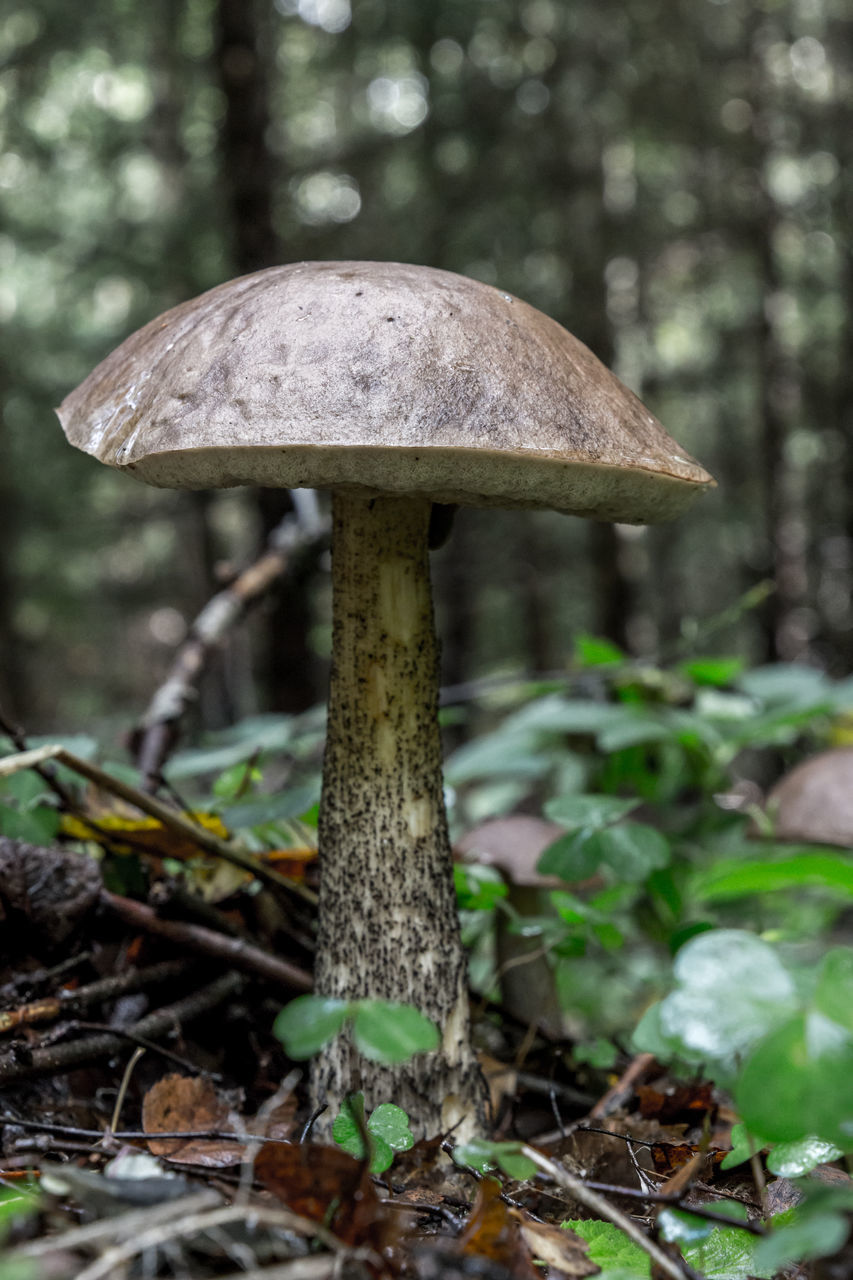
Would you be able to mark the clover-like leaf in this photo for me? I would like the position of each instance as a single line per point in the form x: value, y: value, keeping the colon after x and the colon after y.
x: 309, y: 1022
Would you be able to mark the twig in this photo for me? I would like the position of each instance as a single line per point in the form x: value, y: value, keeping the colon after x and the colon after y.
x: 142, y: 1135
x: 624, y: 1086
x: 142, y: 1042
x: 157, y: 732
x: 62, y: 1056
x: 579, y: 1190
x: 194, y: 1224
x: 164, y: 813
x: 235, y: 951
x: 122, y: 1225
x: 69, y: 1002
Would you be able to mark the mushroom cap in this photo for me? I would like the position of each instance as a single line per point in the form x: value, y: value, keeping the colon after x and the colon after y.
x: 814, y: 801
x: 512, y: 845
x: 386, y: 377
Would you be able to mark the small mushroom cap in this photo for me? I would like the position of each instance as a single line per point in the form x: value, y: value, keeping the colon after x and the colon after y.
x: 382, y: 376
x: 814, y: 802
x: 512, y: 845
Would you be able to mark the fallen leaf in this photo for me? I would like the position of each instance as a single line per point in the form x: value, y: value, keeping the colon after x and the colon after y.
x: 328, y: 1186
x: 676, y: 1102
x: 558, y: 1247
x: 492, y: 1232
x: 189, y: 1103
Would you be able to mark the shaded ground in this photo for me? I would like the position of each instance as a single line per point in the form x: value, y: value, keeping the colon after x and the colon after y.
x: 124, y: 1021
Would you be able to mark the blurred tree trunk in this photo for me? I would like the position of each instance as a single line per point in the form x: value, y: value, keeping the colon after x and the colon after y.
x: 216, y: 705
x: 14, y: 699
x: 249, y: 176
x: 779, y: 399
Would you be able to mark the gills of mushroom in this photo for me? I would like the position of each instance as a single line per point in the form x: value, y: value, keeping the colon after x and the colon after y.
x: 394, y: 386
x: 388, y: 922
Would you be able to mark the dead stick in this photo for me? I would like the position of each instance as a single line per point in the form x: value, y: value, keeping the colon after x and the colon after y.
x: 156, y: 734
x: 61, y: 1057
x: 71, y: 1001
x: 235, y: 951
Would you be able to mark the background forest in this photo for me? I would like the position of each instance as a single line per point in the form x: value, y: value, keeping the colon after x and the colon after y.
x: 668, y: 178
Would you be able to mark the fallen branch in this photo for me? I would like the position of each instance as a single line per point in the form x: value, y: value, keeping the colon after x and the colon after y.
x: 157, y: 732
x: 234, y: 951
x: 60, y: 1057
x: 70, y: 1002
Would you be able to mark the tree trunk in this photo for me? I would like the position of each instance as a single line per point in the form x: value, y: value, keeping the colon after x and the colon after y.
x: 388, y: 923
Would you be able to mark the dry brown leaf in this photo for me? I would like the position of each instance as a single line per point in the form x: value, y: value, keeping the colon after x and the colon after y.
x: 492, y: 1232
x: 557, y: 1247
x: 329, y: 1186
x: 189, y: 1103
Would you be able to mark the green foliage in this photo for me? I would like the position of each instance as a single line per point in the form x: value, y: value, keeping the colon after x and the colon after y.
x: 783, y: 1041
x: 384, y: 1031
x: 17, y: 1203
x: 383, y: 1133
x: 718, y: 1253
x: 25, y: 809
x: 486, y: 1157
x: 618, y: 1257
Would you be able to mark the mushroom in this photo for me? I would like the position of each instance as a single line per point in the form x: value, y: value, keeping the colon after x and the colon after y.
x: 813, y: 802
x: 513, y: 845
x: 395, y: 386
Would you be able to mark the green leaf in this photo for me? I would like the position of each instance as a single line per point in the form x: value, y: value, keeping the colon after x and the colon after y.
x: 785, y: 682
x: 736, y: 877
x: 675, y: 1225
x: 598, y: 1053
x: 712, y: 671
x: 803, y: 1236
x: 309, y: 1022
x: 726, y: 1254
x: 488, y: 1156
x: 595, y: 651
x: 611, y: 1249
x: 795, y: 1159
x: 271, y: 808
x: 633, y: 850
x: 834, y: 992
x: 385, y: 1031
x: 391, y: 1124
x: 589, y: 811
x: 36, y: 826
x: 633, y: 731
x: 236, y: 781
x: 477, y: 888
x: 797, y: 1082
x: 731, y: 990
x: 388, y: 1129
x: 744, y: 1146
x: 348, y: 1125
x: 572, y: 857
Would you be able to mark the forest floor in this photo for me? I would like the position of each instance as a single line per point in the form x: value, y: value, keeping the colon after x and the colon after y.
x: 153, y: 1126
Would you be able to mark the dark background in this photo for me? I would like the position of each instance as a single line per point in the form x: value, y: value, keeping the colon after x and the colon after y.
x: 671, y: 181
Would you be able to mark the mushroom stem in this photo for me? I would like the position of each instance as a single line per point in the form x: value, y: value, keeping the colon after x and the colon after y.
x: 388, y: 924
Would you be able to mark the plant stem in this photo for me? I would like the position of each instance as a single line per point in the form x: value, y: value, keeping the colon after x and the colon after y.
x: 388, y: 924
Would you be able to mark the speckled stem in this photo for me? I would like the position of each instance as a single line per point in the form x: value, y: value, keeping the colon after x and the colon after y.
x: 388, y: 924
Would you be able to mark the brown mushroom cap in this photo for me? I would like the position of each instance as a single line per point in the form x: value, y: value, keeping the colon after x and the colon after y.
x: 512, y: 845
x: 814, y: 802
x: 382, y: 376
